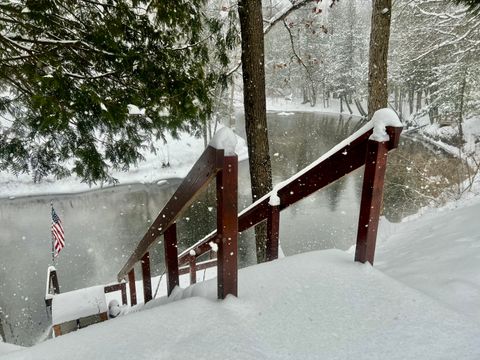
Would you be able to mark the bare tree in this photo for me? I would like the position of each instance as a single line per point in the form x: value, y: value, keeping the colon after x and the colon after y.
x: 377, y: 71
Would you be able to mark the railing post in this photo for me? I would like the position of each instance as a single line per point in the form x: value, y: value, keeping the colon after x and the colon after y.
x: 171, y: 260
x: 273, y: 230
x: 192, y: 261
x: 227, y: 227
x: 132, y: 287
x: 147, y: 280
x: 371, y: 203
x: 123, y: 289
x: 54, y: 278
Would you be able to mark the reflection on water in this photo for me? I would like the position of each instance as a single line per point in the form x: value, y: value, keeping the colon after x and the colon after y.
x: 102, y: 227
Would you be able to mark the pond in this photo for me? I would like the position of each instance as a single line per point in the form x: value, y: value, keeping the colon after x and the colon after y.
x: 103, y: 226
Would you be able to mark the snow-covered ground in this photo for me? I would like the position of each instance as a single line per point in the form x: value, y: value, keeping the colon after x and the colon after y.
x: 437, y: 253
x: 180, y: 153
x: 443, y: 136
x: 420, y: 301
x: 287, y: 107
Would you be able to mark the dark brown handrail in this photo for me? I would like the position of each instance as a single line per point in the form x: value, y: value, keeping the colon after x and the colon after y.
x: 122, y: 287
x: 212, y: 164
x: 204, y: 170
x: 343, y: 161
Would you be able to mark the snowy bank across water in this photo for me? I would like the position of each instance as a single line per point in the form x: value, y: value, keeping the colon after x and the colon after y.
x: 284, y: 107
x: 317, y: 305
x: 180, y: 154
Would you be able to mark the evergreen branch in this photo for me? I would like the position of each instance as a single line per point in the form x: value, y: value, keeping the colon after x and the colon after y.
x: 189, y: 46
x: 45, y: 41
x: 18, y: 85
x: 15, y: 44
x: 89, y: 77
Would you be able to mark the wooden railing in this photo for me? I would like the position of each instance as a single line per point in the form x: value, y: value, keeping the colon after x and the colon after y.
x: 338, y: 162
x: 346, y: 157
x: 212, y: 164
x: 117, y: 287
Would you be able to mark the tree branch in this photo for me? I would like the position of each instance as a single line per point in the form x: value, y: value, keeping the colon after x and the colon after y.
x: 280, y: 16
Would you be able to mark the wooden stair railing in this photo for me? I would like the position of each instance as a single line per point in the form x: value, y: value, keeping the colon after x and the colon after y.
x: 344, y: 158
x: 213, y: 163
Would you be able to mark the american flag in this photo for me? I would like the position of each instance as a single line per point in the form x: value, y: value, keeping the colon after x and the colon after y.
x: 58, y: 235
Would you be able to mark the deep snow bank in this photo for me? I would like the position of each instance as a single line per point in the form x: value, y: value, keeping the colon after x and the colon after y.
x: 318, y: 305
x: 438, y: 253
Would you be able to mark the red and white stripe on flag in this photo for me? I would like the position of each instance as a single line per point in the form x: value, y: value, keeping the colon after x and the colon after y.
x: 58, y: 234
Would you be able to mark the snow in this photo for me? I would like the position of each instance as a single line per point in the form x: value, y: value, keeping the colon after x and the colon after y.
x: 47, y: 285
x: 224, y: 139
x: 192, y: 252
x: 76, y: 304
x: 441, y: 136
x: 317, y: 305
x: 6, y: 348
x: 213, y: 246
x: 114, y: 309
x: 283, y: 106
x: 274, y: 200
x: 381, y: 119
x: 135, y: 110
x: 437, y: 253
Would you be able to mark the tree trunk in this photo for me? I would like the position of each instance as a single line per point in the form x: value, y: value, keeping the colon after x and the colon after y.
x: 251, y: 26
x: 377, y: 69
x: 313, y: 95
x: 411, y: 95
x: 461, y: 108
x: 305, y: 94
x: 419, y: 100
x: 400, y: 109
x: 205, y: 134
x: 396, y: 97
x: 2, y: 332
x: 231, y: 106
x: 348, y: 105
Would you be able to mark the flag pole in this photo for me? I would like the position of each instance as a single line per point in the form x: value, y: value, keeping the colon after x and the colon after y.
x: 51, y: 234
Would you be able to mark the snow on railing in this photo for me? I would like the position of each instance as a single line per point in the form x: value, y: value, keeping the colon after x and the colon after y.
x: 367, y: 146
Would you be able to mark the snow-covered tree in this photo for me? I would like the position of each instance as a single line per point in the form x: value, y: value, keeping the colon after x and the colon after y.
x: 439, y: 63
x: 85, y: 85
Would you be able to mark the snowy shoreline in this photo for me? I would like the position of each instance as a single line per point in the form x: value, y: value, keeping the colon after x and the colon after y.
x: 180, y: 153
